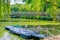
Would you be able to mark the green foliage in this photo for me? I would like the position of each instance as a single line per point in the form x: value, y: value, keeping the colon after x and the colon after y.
x: 27, y: 1
x: 4, y: 8
x: 46, y: 18
x: 50, y: 6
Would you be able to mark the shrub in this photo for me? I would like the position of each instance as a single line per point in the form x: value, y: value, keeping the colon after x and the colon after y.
x: 46, y: 18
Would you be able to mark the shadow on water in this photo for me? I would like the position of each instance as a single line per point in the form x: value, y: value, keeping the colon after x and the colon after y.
x: 31, y: 38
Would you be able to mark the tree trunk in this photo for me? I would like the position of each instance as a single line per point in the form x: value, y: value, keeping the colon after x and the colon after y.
x: 0, y: 9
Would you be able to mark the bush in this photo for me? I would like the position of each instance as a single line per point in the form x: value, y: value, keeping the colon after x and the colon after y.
x: 29, y: 17
x: 46, y: 18
x: 24, y: 17
x: 37, y: 17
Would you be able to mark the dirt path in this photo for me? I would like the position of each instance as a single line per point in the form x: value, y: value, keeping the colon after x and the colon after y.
x: 53, y: 38
x: 7, y: 36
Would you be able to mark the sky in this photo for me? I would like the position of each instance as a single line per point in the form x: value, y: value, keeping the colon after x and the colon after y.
x: 18, y: 1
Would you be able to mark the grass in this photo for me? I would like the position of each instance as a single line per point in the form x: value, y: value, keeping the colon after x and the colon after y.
x: 32, y: 23
x: 21, y: 21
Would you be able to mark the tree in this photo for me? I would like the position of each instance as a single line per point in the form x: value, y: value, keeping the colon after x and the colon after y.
x: 4, y: 7
x: 0, y: 9
x: 8, y: 7
x: 32, y: 5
